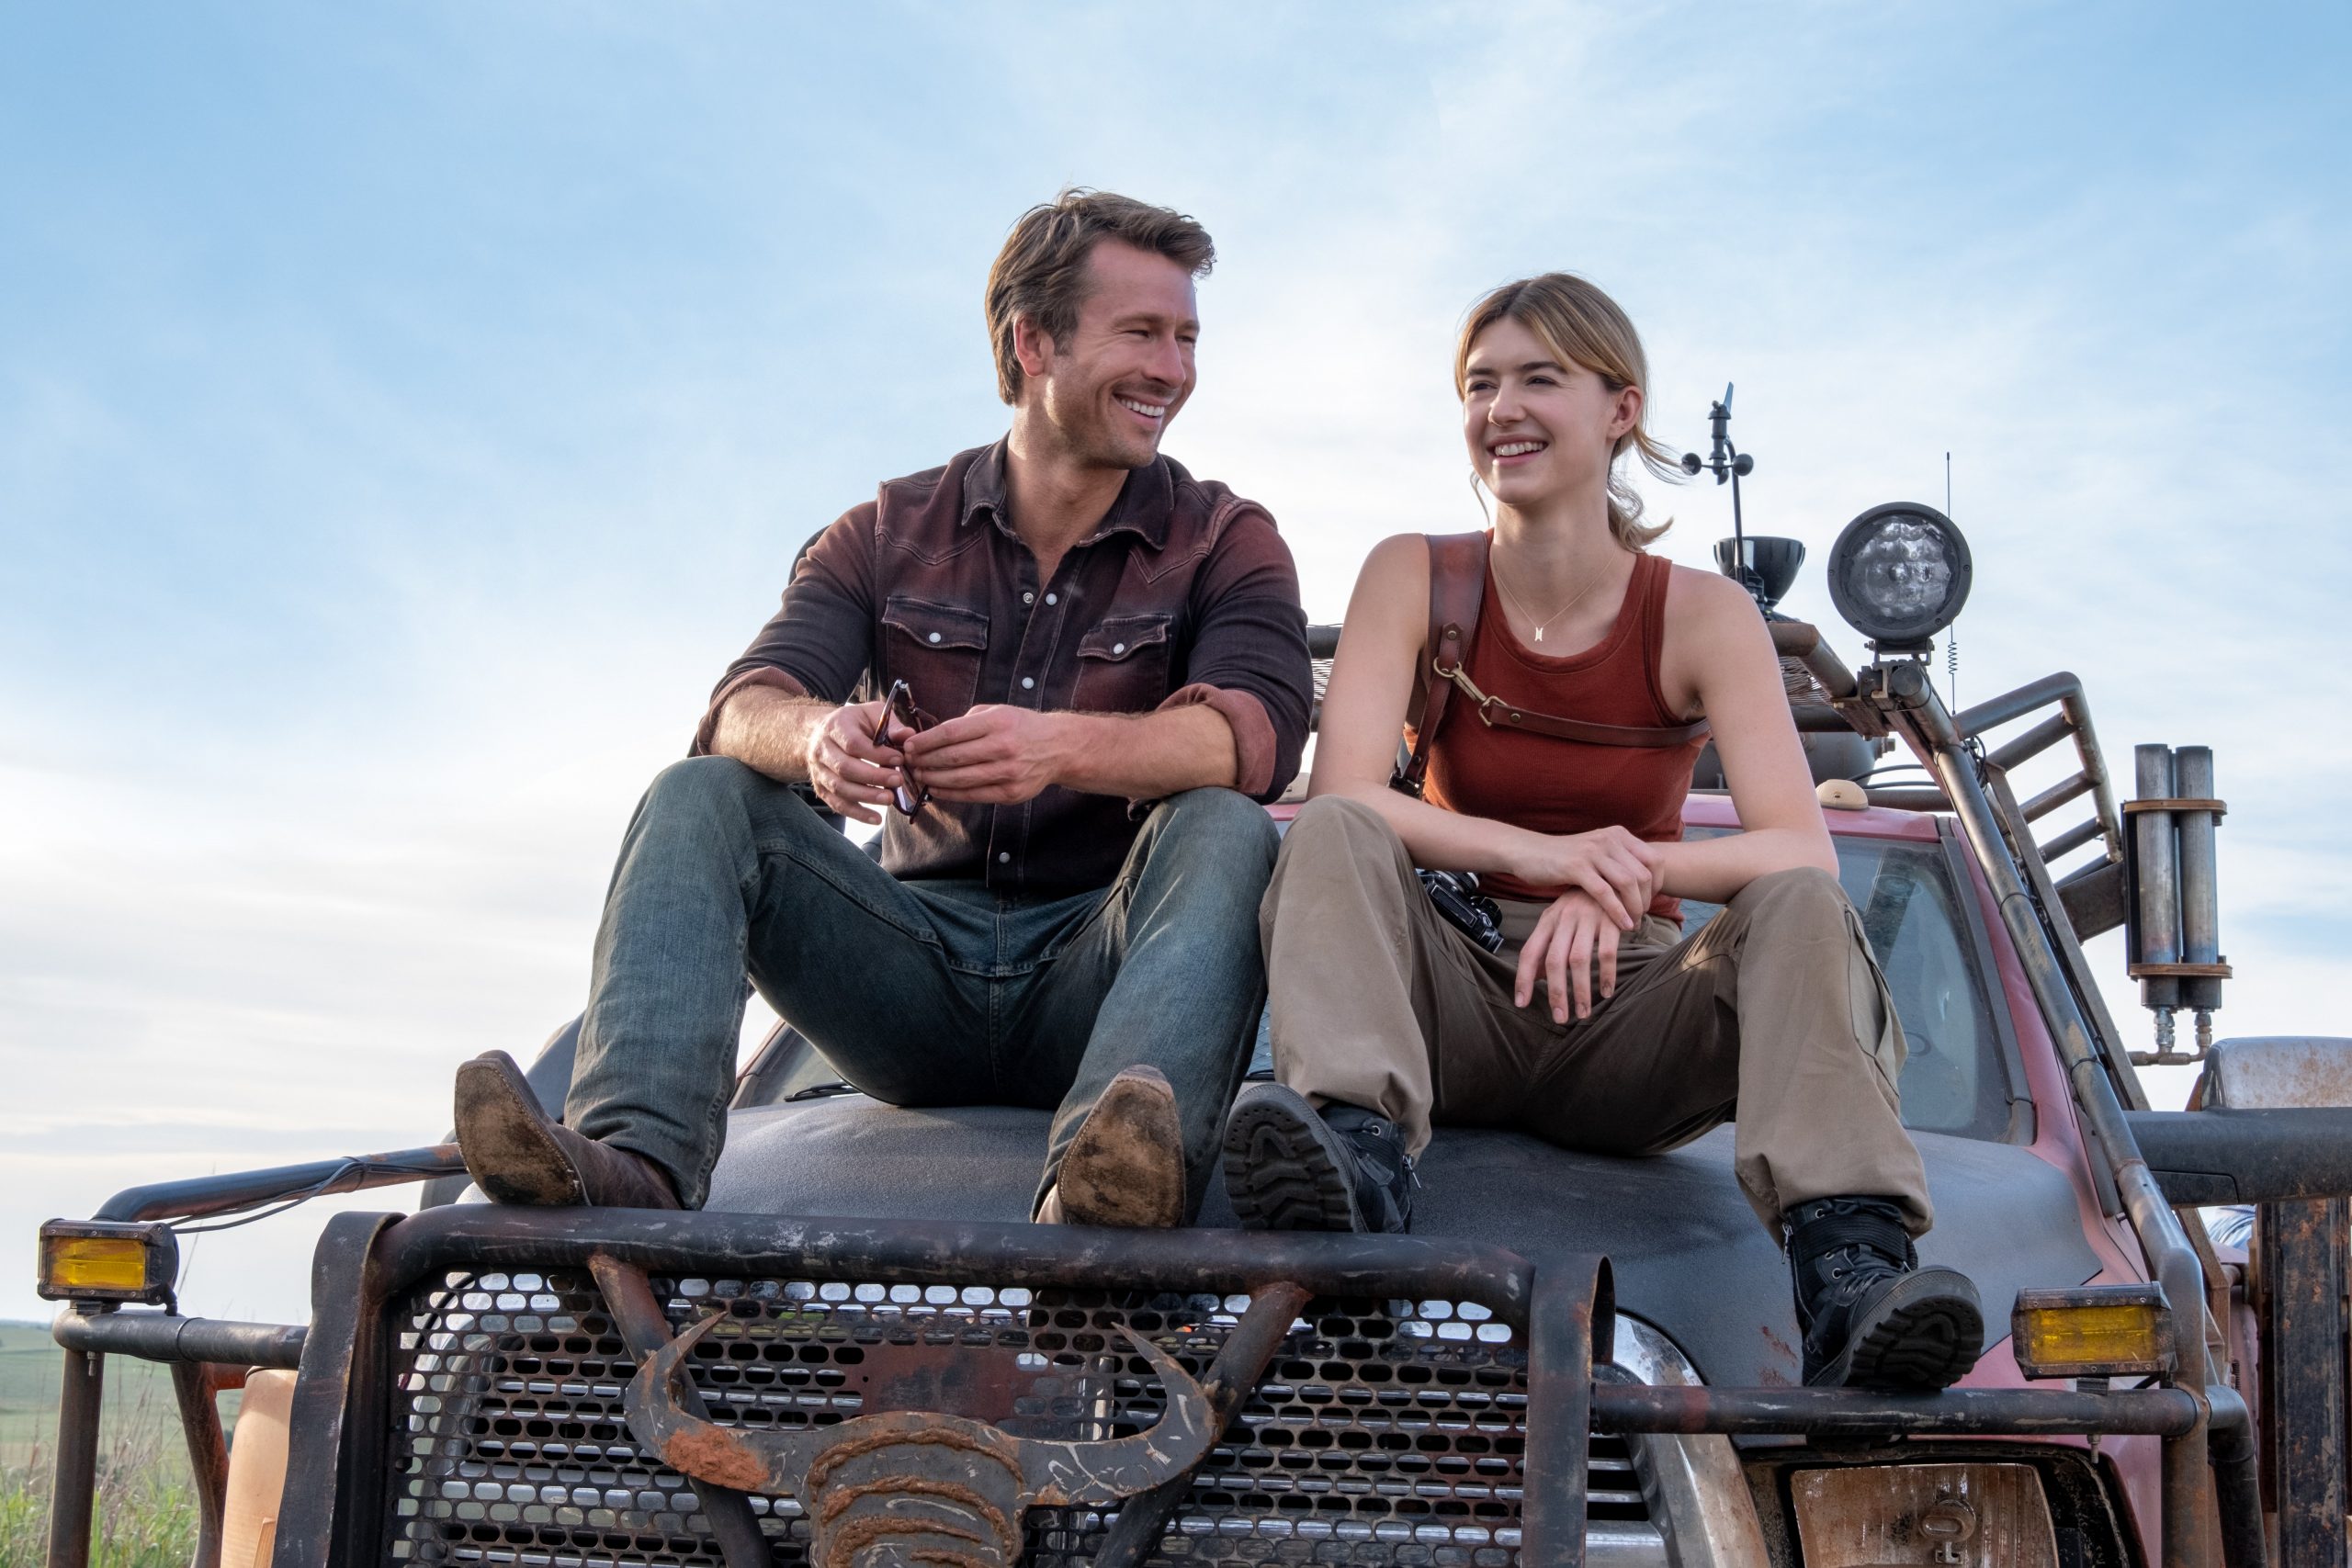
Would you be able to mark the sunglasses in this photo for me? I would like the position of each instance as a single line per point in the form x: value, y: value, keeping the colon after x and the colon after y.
x: 898, y: 707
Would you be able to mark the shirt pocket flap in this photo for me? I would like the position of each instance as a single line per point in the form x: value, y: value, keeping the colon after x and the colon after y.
x: 1122, y: 637
x: 934, y: 625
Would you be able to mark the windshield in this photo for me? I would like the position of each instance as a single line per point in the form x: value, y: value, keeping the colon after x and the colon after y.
x: 1955, y: 1078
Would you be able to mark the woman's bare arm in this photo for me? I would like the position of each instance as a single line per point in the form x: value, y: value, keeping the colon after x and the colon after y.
x: 1719, y: 652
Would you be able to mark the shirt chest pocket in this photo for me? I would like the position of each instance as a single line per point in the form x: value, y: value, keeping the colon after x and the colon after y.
x: 937, y: 649
x: 1123, y: 664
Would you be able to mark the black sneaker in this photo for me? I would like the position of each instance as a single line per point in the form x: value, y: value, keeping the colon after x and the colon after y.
x: 1288, y: 1168
x: 1873, y: 1319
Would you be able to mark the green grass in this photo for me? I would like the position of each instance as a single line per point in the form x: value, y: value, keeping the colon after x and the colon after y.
x: 146, y: 1512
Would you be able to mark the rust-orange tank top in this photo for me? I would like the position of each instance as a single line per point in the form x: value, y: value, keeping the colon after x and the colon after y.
x: 1569, y: 787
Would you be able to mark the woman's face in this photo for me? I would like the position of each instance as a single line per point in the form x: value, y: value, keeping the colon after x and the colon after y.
x: 1539, y: 430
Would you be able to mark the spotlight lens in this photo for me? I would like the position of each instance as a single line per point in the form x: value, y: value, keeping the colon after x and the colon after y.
x: 1899, y: 573
x: 1906, y: 570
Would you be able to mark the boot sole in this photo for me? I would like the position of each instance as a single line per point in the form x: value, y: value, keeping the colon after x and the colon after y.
x: 502, y: 1135
x: 1126, y: 1167
x: 1923, y: 1335
x: 1284, y: 1169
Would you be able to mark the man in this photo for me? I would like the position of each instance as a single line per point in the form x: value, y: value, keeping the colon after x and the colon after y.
x: 1098, y: 662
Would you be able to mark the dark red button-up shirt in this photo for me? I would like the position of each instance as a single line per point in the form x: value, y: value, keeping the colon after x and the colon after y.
x: 1185, y: 593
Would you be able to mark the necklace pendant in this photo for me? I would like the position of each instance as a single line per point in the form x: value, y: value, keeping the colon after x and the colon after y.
x: 1539, y: 634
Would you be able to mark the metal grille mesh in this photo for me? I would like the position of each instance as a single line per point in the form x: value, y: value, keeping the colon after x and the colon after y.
x: 1384, y: 1433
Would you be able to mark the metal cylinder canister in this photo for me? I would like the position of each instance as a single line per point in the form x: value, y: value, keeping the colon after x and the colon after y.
x: 2158, y: 877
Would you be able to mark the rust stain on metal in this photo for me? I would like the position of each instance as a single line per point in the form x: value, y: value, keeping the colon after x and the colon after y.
x: 845, y: 1549
x: 839, y: 1502
x: 715, y: 1454
x: 912, y: 1430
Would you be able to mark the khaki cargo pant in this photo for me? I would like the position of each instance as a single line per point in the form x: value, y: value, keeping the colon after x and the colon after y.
x: 1775, y: 1010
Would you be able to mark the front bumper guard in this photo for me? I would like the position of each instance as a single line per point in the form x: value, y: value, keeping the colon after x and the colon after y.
x: 1562, y: 1309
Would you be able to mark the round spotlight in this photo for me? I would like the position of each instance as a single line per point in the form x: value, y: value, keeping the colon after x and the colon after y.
x: 1899, y: 574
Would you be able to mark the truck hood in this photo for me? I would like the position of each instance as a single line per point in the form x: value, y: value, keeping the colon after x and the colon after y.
x: 1689, y: 1256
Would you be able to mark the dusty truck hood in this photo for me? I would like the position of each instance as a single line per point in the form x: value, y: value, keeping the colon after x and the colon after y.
x: 1688, y: 1255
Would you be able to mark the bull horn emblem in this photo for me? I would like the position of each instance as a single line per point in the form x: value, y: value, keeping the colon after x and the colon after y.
x: 907, y: 1486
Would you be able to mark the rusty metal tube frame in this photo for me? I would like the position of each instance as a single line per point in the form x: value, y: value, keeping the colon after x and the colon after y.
x: 935, y: 1252
x: 1817, y: 1412
x: 1571, y: 1325
x: 166, y: 1336
x: 2074, y: 715
x: 1802, y: 641
x: 2300, y: 1259
x: 74, y: 1487
x: 207, y: 1455
x: 2187, y: 1484
x: 203, y: 1196
x: 2238, y: 1474
x: 1240, y: 1362
x: 89, y: 1337
x: 645, y: 1329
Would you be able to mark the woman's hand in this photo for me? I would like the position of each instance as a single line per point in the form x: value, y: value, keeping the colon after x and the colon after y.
x: 1618, y: 871
x: 1562, y: 948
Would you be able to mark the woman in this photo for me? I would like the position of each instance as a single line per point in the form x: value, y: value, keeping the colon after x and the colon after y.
x: 1584, y: 680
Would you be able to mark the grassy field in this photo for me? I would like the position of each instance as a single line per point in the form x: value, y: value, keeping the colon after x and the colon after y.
x: 146, y: 1512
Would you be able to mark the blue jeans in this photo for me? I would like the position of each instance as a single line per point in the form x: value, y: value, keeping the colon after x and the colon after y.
x: 920, y: 993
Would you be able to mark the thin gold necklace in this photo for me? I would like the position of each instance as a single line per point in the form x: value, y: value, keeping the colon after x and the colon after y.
x: 1581, y: 595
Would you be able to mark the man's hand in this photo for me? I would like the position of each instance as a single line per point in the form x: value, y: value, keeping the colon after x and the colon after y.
x: 1619, y: 871
x: 848, y: 769
x: 1561, y: 948
x: 993, y: 755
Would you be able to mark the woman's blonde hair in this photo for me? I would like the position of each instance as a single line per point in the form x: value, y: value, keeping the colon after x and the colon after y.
x: 1581, y: 325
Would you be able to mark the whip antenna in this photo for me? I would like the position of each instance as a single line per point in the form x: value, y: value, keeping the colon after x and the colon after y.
x: 1951, y: 633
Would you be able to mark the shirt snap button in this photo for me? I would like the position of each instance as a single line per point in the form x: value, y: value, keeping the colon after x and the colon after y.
x: 1028, y: 598
x: 1049, y: 598
x: 1027, y: 684
x: 1004, y: 857
x: 934, y: 636
x: 1118, y: 648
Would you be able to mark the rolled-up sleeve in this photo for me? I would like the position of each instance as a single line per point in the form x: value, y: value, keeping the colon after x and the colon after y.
x: 819, y: 640
x: 1247, y: 657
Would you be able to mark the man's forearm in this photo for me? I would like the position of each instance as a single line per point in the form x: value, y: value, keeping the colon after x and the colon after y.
x: 768, y: 730
x: 1146, y: 756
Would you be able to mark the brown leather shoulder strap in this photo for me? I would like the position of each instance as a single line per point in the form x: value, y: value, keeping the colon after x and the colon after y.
x: 1457, y: 594
x: 1501, y: 715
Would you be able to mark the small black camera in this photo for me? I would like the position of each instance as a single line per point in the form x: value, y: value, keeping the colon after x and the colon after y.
x: 1456, y: 895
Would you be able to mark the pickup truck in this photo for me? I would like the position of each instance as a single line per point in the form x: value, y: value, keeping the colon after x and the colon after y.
x: 858, y: 1354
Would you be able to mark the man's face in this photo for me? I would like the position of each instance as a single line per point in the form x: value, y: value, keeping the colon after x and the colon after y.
x: 1127, y: 368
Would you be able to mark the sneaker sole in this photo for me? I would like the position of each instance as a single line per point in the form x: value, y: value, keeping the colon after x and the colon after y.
x: 1923, y: 1337
x: 1284, y: 1169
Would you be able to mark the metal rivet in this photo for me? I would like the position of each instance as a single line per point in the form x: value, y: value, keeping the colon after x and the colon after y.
x: 1028, y: 598
x: 1027, y: 684
x: 934, y: 636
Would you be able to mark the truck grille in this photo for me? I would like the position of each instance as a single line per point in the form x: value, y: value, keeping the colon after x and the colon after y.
x: 1384, y: 1432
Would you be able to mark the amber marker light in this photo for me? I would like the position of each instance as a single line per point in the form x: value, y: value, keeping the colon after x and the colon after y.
x: 2093, y: 1331
x: 89, y: 1260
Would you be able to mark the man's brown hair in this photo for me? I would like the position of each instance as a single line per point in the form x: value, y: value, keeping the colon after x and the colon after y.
x: 1040, y: 271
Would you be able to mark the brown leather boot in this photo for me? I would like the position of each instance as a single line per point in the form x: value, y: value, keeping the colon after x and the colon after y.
x: 1126, y: 1165
x: 516, y: 1153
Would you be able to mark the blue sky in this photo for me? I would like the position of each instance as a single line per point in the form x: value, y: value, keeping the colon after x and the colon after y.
x: 406, y: 411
